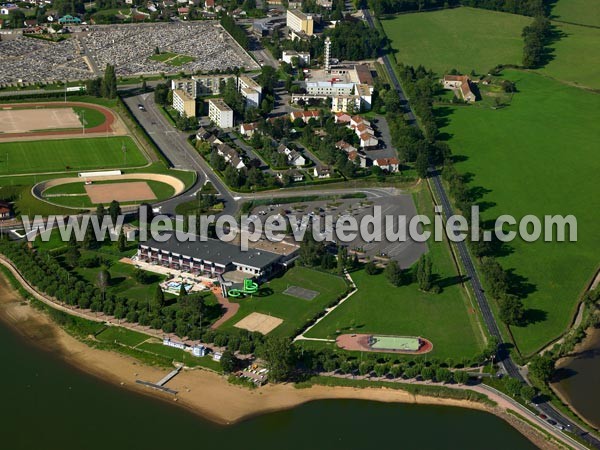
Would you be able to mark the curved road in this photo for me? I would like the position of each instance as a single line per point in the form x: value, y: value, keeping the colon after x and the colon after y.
x: 505, y: 360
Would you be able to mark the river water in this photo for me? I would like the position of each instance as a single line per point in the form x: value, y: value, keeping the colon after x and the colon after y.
x: 579, y: 375
x: 48, y: 404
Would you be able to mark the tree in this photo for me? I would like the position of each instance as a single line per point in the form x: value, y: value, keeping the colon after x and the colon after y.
x: 542, y: 368
x: 512, y: 386
x: 158, y: 302
x: 371, y: 268
x: 103, y: 281
x: 511, y: 310
x: 280, y: 358
x: 16, y: 18
x: 228, y: 362
x: 161, y: 94
x: 109, y: 83
x: 527, y: 393
x: 182, y: 291
x: 114, y: 210
x: 122, y: 242
x: 72, y: 256
x: 443, y: 375
x: 427, y: 373
x: 461, y: 377
x: 100, y: 211
x: 424, y: 275
x: 422, y: 164
x: 394, y: 273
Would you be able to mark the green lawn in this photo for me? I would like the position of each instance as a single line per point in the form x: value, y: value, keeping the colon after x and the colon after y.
x: 447, y: 319
x: 538, y: 156
x: 575, y: 58
x: 162, y: 191
x: 172, y: 59
x: 90, y: 117
x: 68, y: 154
x: 584, y: 12
x: 295, y: 312
x: 460, y: 38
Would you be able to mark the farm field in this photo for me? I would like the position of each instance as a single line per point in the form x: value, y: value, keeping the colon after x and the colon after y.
x: 539, y: 157
x: 573, y: 60
x: 447, y: 319
x: 581, y: 12
x: 462, y: 38
x: 68, y: 154
x: 295, y: 312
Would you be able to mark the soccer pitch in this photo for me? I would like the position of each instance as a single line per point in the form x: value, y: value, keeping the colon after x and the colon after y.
x: 68, y: 155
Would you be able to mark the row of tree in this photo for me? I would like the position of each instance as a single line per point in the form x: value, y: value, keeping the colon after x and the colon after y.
x: 103, y: 87
x: 237, y: 32
x: 535, y: 38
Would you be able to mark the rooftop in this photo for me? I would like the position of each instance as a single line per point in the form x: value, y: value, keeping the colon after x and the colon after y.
x: 215, y: 251
x: 219, y: 104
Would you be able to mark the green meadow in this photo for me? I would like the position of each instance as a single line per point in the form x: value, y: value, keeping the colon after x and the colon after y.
x: 538, y: 156
x: 462, y: 38
x: 583, y: 12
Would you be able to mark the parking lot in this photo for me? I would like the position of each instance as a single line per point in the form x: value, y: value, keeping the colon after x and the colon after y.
x: 406, y: 253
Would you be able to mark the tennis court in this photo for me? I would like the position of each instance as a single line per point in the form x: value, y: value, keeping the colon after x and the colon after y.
x: 409, y: 344
x: 302, y: 293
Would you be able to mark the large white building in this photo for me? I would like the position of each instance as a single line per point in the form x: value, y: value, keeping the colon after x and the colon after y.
x: 250, y: 90
x: 220, y: 113
x: 303, y: 57
x: 183, y: 103
x: 299, y: 22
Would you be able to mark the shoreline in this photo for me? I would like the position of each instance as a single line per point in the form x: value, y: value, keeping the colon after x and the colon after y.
x: 203, y: 393
x: 591, y: 341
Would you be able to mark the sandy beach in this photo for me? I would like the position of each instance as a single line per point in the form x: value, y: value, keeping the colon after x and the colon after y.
x: 202, y: 392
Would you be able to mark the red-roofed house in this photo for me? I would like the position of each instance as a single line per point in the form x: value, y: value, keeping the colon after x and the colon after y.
x: 462, y: 83
x: 304, y: 115
x: 342, y: 117
x: 248, y: 129
x: 5, y: 210
x: 388, y: 164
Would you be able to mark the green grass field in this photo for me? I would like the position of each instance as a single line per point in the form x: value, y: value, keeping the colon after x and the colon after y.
x: 575, y: 56
x: 582, y: 12
x: 172, y: 59
x: 68, y: 154
x: 162, y: 191
x: 295, y: 312
x: 460, y: 38
x: 447, y: 319
x: 91, y: 117
x: 539, y: 156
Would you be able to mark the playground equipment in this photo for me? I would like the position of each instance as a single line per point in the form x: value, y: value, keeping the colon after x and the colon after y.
x: 250, y: 287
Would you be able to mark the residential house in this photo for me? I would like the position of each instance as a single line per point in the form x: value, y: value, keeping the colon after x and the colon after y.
x: 248, y: 129
x: 322, y: 172
x: 293, y: 156
x: 250, y: 90
x: 295, y: 175
x: 203, y: 134
x: 304, y: 115
x: 342, y: 117
x: 8, y: 8
x: 358, y: 158
x: 230, y: 156
x: 388, y: 164
x: 462, y: 83
x: 5, y: 210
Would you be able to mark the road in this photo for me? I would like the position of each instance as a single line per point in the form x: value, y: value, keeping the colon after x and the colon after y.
x: 176, y: 148
x: 505, y: 360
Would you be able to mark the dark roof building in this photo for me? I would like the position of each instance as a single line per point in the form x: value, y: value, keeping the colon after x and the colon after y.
x: 211, y: 257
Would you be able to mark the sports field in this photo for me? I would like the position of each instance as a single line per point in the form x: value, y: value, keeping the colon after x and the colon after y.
x: 460, y: 38
x: 69, y: 155
x: 540, y: 157
x: 584, y: 12
x: 294, y: 312
x: 575, y: 55
x: 447, y: 319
